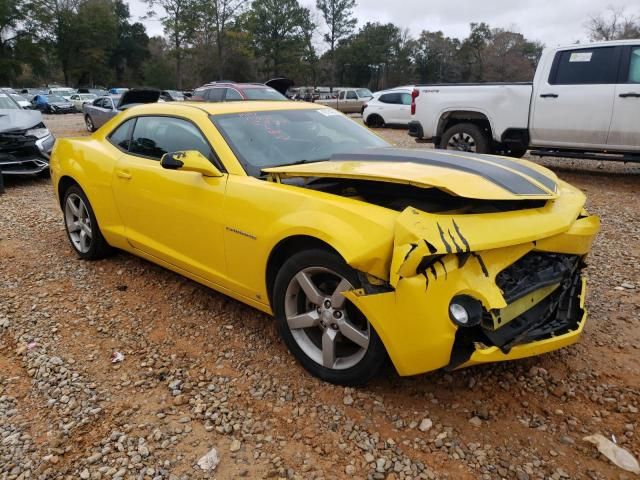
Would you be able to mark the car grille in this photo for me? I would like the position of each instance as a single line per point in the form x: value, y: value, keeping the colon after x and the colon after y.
x: 19, y: 153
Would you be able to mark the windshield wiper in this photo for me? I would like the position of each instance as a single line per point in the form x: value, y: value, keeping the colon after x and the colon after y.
x: 300, y: 162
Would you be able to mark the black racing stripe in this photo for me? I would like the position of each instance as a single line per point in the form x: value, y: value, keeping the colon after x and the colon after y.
x: 519, y: 167
x: 510, y: 181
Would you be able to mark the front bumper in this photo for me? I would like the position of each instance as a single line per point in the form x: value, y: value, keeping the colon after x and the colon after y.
x: 22, y: 155
x: 413, y: 319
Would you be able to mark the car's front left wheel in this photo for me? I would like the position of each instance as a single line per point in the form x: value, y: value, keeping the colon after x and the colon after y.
x: 82, y: 226
x: 326, y: 333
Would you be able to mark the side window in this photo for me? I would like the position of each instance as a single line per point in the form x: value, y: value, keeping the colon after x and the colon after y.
x: 232, y: 95
x: 121, y: 136
x: 352, y: 96
x: 393, y: 98
x: 634, y: 66
x: 97, y: 102
x: 155, y: 136
x: 341, y: 96
x: 586, y: 66
x: 214, y: 95
x: 385, y: 98
x: 405, y: 98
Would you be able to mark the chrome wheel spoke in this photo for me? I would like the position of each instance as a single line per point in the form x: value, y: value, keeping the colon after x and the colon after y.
x: 75, y: 226
x: 352, y: 333
x: 337, y: 298
x: 329, y: 348
x: 310, y: 290
x: 304, y: 320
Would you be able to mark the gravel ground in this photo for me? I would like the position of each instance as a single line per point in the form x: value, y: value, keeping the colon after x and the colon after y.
x: 202, y: 371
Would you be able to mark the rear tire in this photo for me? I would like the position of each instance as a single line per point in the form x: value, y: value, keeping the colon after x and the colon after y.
x: 82, y: 226
x: 466, y: 137
x: 327, y: 334
x: 89, y: 123
x: 375, y: 121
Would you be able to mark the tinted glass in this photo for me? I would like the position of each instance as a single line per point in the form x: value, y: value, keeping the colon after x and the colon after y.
x: 586, y: 67
x: 265, y: 93
x: 97, y: 102
x: 393, y: 98
x: 155, y: 136
x: 214, y: 95
x: 121, y: 136
x: 268, y: 139
x: 352, y: 96
x: 634, y: 66
x: 233, y: 95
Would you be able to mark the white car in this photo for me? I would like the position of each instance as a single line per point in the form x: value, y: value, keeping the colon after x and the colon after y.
x: 62, y: 92
x: 389, y: 107
x: 20, y: 100
x: 79, y: 99
x: 583, y: 103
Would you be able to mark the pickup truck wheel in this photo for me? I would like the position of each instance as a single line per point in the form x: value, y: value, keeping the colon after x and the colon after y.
x: 326, y: 333
x: 465, y: 137
x: 89, y: 123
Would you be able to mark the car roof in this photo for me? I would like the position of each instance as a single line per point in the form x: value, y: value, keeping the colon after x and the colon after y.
x: 237, y: 85
x: 222, y: 108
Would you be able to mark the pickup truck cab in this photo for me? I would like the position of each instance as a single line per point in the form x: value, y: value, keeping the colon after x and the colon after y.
x: 349, y: 100
x: 584, y: 102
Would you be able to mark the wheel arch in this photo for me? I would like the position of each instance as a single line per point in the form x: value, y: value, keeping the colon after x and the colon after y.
x: 453, y: 117
x: 64, y: 183
x: 287, y: 247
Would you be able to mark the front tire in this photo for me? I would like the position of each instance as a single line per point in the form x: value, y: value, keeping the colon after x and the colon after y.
x: 375, y: 121
x: 327, y: 334
x: 89, y: 123
x: 82, y: 227
x: 466, y: 137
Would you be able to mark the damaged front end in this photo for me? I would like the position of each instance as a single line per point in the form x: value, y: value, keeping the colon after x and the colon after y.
x: 478, y: 288
x: 25, y: 142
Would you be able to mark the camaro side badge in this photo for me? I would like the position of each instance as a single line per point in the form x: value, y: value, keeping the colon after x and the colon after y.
x: 240, y: 232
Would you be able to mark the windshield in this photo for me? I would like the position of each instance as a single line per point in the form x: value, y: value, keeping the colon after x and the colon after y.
x: 7, y: 103
x: 63, y: 91
x: 55, y: 98
x: 271, y: 139
x: 18, y: 98
x: 175, y: 94
x: 364, y: 92
x: 263, y: 94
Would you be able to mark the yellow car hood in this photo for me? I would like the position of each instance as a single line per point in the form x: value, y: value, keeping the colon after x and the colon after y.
x: 466, y: 175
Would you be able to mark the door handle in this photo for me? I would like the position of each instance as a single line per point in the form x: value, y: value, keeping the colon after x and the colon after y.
x: 123, y: 174
x: 630, y: 94
x: 549, y: 95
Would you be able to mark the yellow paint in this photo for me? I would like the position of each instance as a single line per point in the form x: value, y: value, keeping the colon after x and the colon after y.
x: 221, y: 229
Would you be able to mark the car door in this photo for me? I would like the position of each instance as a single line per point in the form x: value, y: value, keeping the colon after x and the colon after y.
x: 98, y: 112
x: 172, y: 215
x: 573, y: 107
x: 352, y: 103
x: 624, y: 133
x: 214, y: 95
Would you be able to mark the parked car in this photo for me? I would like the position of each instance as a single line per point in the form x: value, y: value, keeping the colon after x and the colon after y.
x: 103, y: 109
x: 172, y: 96
x: 349, y: 100
x: 63, y: 92
x: 117, y: 90
x: 48, y: 103
x: 25, y: 142
x: 584, y: 102
x: 363, y: 252
x: 20, y: 100
x: 98, y: 92
x: 388, y: 107
x: 79, y: 99
x: 233, y: 92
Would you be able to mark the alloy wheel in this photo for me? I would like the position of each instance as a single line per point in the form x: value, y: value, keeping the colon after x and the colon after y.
x: 89, y: 123
x: 327, y: 328
x: 463, y: 142
x: 78, y: 223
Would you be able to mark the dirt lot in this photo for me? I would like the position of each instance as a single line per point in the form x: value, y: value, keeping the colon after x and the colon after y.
x: 203, y: 371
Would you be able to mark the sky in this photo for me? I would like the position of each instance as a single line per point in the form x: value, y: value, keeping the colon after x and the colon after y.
x: 551, y: 22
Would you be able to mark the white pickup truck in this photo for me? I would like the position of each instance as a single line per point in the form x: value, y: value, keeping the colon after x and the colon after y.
x: 584, y: 102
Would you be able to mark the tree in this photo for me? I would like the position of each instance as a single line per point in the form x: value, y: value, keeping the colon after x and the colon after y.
x: 216, y: 17
x: 338, y: 15
x: 613, y: 24
x: 437, y: 58
x: 508, y: 56
x: 180, y: 21
x: 12, y: 17
x: 131, y: 49
x: 277, y: 29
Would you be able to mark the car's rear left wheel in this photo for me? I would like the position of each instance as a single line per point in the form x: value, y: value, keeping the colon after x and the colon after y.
x: 89, y: 123
x: 375, y: 121
x: 327, y: 334
x: 82, y: 226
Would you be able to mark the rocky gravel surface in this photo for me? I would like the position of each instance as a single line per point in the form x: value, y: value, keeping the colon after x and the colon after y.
x: 202, y: 371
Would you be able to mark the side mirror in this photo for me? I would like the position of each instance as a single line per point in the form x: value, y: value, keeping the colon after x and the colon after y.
x: 190, y: 161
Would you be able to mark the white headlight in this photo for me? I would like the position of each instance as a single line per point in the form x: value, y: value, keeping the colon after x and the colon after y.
x: 38, y: 132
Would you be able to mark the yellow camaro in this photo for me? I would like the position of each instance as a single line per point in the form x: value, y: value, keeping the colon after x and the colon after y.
x: 362, y: 252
